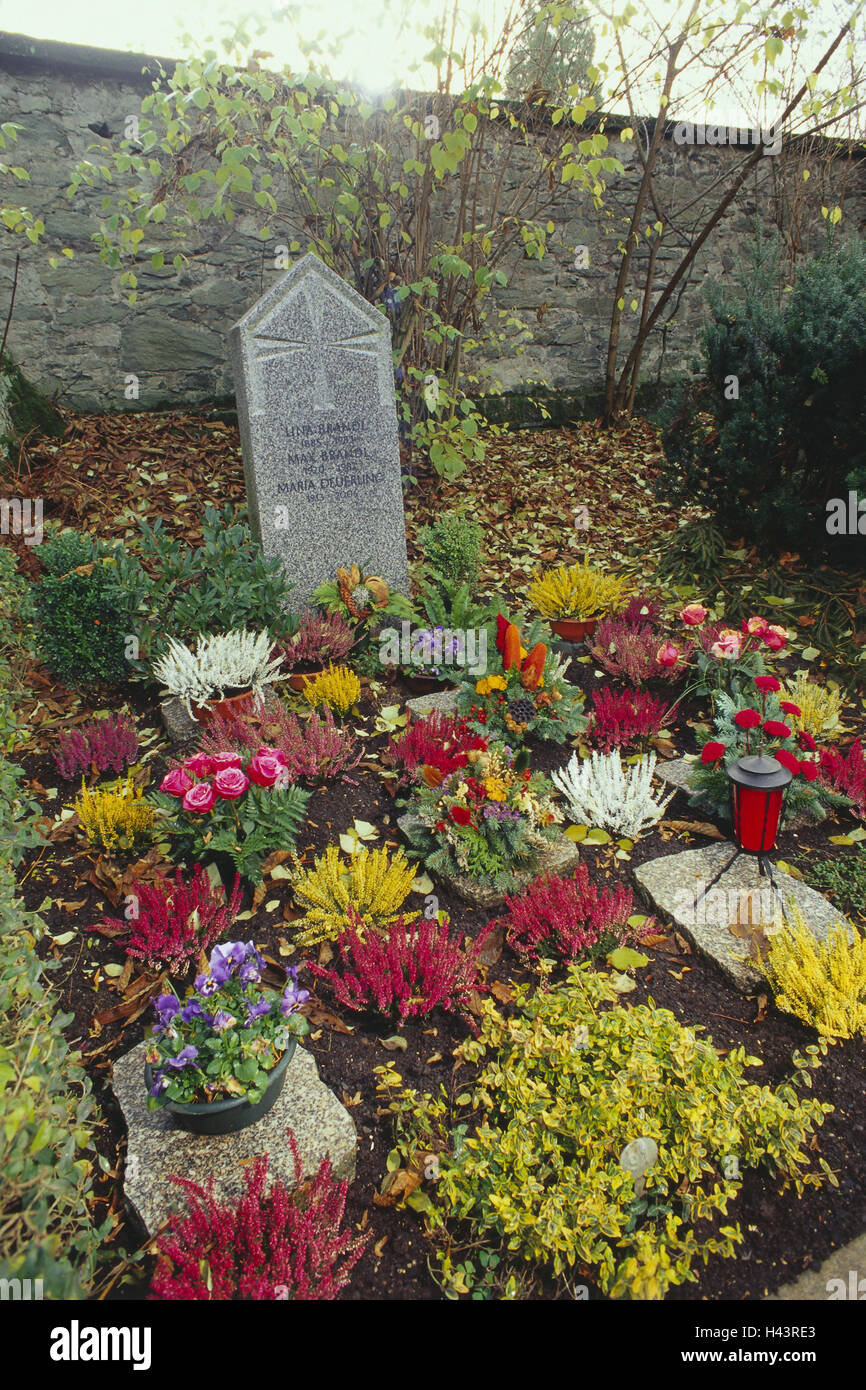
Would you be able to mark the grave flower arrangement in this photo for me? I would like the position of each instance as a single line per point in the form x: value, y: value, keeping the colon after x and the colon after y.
x: 322, y: 639
x: 742, y: 730
x: 485, y: 820
x: 525, y: 694
x: 241, y: 805
x: 228, y: 1033
x: 365, y: 601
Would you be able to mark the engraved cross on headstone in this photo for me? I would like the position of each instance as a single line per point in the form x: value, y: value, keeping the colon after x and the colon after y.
x: 269, y: 348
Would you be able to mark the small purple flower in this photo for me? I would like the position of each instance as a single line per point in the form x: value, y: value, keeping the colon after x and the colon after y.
x: 191, y: 1011
x: 224, y: 960
x: 166, y: 1006
x: 293, y: 997
x: 206, y: 984
x: 257, y: 1011
x: 160, y: 1082
x: 223, y: 1019
x: 184, y: 1058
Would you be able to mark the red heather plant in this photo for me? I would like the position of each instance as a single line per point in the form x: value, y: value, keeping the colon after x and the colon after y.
x: 321, y: 638
x: 405, y: 971
x: 438, y: 740
x: 280, y: 1244
x: 631, y: 653
x: 569, y: 917
x: 314, y: 748
x: 641, y: 611
x: 103, y: 744
x: 625, y: 719
x: 846, y: 773
x: 177, y: 920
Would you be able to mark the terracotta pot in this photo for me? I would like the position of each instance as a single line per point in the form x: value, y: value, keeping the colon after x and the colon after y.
x: 298, y: 679
x: 574, y: 629
x: 235, y: 1112
x: 242, y: 703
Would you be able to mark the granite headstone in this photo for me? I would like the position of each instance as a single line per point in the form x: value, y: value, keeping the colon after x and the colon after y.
x: 318, y: 421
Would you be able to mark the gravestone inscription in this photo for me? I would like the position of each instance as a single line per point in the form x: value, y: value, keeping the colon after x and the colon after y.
x: 318, y: 421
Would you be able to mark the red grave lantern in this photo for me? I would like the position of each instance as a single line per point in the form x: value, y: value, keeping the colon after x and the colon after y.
x: 757, y: 787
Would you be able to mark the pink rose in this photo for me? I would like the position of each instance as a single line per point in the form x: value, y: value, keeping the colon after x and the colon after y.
x: 728, y: 646
x: 200, y: 797
x: 177, y: 782
x: 775, y: 637
x: 231, y: 783
x: 264, y: 769
x: 668, y: 654
x: 694, y: 614
x: 755, y: 626
x: 199, y: 765
x: 266, y: 752
x: 224, y: 760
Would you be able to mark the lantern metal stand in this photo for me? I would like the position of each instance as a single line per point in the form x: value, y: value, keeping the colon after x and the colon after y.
x: 756, y: 788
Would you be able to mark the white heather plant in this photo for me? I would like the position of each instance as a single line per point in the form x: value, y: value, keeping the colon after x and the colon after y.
x: 231, y: 660
x: 600, y: 791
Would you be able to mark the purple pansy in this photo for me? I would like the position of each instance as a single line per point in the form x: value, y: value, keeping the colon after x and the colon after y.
x: 184, y: 1058
x: 206, y: 984
x: 257, y: 1011
x: 223, y: 1019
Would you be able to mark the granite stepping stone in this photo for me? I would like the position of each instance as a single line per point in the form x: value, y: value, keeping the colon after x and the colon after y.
x: 678, y: 887
x: 439, y: 701
x: 561, y: 858
x: 158, y: 1148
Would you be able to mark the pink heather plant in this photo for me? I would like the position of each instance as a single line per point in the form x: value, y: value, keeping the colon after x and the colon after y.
x: 104, y: 743
x: 438, y: 740
x: 633, y: 653
x: 315, y: 749
x: 279, y: 1244
x: 321, y: 638
x: 406, y: 971
x: 846, y: 773
x: 176, y: 921
x: 569, y: 917
x: 625, y: 719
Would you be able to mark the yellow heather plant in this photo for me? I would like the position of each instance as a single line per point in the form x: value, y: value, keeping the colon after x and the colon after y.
x: 371, y: 883
x: 338, y: 688
x: 114, y: 816
x: 575, y: 591
x: 819, y: 706
x: 822, y: 983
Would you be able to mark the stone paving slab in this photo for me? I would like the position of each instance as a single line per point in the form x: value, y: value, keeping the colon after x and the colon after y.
x: 561, y: 858
x: 846, y: 1266
x: 442, y: 701
x: 673, y: 885
x: 158, y: 1148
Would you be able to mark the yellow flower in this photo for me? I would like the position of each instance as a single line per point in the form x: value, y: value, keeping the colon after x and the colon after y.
x: 483, y: 687
x: 523, y: 653
x: 496, y: 789
x: 497, y: 683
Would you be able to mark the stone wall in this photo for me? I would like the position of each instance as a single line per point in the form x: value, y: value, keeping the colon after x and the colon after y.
x: 75, y: 335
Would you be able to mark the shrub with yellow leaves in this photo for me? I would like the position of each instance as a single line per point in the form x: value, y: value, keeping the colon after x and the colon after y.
x: 338, y: 688
x: 819, y: 706
x: 822, y: 983
x: 530, y: 1155
x: 371, y: 883
x: 115, y: 816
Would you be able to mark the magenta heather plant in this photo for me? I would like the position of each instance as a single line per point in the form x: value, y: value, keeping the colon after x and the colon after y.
x: 631, y: 653
x: 315, y: 749
x: 103, y: 744
x: 641, y: 611
x: 846, y: 773
x: 280, y: 1244
x: 570, y: 917
x: 321, y: 638
x: 407, y: 970
x: 438, y: 740
x: 177, y: 920
x: 625, y: 719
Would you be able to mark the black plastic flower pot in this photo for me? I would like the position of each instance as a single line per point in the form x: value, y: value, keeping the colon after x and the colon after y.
x: 224, y: 865
x: 235, y: 1112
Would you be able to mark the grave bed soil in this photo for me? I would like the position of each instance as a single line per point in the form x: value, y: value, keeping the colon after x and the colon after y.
x: 783, y: 1234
